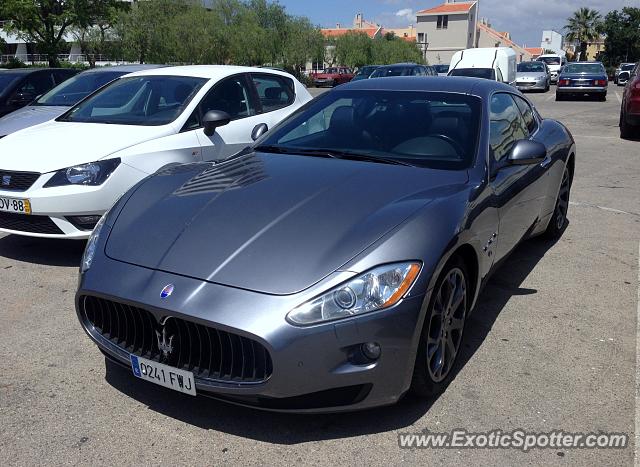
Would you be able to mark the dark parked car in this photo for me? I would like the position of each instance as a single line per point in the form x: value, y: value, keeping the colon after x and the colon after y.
x: 404, y: 69
x: 582, y: 79
x: 442, y: 70
x: 370, y: 222
x: 630, y: 108
x: 365, y: 72
x: 59, y: 99
x: 20, y: 86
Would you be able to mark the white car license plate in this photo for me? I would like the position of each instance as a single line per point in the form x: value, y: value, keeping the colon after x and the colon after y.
x: 20, y: 206
x: 164, y: 375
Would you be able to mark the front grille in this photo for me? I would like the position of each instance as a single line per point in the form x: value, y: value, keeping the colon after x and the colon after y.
x: 26, y: 223
x: 208, y: 352
x: 17, y: 181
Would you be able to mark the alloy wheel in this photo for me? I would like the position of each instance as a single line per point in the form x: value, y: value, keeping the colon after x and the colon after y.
x: 563, y: 201
x: 446, y: 325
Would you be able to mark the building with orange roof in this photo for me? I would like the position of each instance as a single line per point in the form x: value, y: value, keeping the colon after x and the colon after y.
x: 446, y: 29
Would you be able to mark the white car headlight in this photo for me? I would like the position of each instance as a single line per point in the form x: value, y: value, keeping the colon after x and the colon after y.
x: 376, y: 289
x: 90, y: 250
x: 93, y: 173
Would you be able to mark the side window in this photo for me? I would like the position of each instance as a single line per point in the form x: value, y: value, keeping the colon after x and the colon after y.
x: 499, y: 76
x: 62, y: 75
x: 274, y: 92
x: 527, y: 114
x: 36, y: 83
x: 231, y: 95
x: 506, y: 125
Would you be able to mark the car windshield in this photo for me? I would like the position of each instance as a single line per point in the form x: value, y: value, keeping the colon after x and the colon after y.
x: 426, y: 129
x: 529, y: 67
x: 550, y: 60
x: 441, y: 68
x: 627, y: 67
x: 486, y: 73
x: 583, y: 68
x: 330, y: 71
x: 139, y: 100
x: 6, y: 80
x: 77, y: 88
x: 392, y: 71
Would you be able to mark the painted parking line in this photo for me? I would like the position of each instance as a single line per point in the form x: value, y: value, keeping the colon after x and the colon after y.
x: 618, y: 97
x: 550, y: 97
x: 637, y: 391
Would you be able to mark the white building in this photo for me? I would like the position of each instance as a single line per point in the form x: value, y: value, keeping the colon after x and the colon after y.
x: 552, y: 40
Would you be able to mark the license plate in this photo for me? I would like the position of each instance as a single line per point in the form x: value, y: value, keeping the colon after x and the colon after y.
x: 20, y: 206
x: 164, y: 375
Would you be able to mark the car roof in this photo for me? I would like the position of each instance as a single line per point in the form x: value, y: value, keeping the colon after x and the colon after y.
x: 206, y: 71
x: 26, y: 71
x: 464, y: 85
x: 123, y: 68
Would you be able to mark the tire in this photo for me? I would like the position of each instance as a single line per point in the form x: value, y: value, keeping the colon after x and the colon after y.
x: 440, y: 341
x: 626, y: 131
x: 602, y: 98
x: 558, y: 221
x: 559, y: 97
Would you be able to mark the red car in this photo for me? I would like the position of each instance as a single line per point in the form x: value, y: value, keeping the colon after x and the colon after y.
x: 333, y: 76
x: 630, y: 109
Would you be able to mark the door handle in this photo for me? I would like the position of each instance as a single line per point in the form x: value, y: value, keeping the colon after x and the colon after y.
x: 545, y: 163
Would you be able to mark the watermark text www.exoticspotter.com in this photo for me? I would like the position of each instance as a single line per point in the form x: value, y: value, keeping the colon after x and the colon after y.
x: 516, y: 439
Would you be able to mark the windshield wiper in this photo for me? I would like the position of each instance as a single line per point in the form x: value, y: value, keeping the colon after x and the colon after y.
x: 332, y: 153
x: 356, y: 156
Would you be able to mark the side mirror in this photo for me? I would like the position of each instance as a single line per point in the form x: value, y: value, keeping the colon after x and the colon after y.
x: 214, y: 119
x: 259, y: 130
x: 22, y: 98
x: 527, y: 152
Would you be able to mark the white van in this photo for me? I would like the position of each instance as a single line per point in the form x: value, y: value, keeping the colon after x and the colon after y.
x: 495, y: 63
x: 554, y: 62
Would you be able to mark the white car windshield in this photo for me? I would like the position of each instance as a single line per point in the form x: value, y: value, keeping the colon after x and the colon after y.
x: 138, y: 100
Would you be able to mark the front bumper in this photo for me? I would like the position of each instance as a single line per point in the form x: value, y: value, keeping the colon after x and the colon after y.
x: 531, y: 85
x: 324, y: 82
x: 54, y: 208
x: 314, y: 368
x: 581, y: 90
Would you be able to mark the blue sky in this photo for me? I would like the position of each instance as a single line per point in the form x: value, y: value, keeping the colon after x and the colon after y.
x: 525, y: 19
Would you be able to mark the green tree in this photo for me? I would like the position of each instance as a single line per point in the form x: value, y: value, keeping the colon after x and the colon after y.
x: 45, y: 22
x: 354, y: 49
x: 584, y: 26
x: 622, y: 41
x: 394, y: 50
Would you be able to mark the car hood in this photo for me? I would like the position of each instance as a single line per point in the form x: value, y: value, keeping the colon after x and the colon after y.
x: 55, y: 145
x: 531, y: 74
x: 29, y: 116
x: 269, y: 223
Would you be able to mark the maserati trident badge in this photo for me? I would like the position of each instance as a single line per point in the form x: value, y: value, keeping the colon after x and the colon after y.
x: 164, y: 345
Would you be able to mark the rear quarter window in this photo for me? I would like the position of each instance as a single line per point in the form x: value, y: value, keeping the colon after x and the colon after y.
x: 275, y: 92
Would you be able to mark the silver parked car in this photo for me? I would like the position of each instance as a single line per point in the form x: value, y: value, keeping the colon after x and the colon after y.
x: 533, y: 76
x: 331, y: 266
x: 59, y: 99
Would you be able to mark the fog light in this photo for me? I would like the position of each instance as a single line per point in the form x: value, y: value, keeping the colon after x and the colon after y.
x: 84, y: 222
x: 371, y: 350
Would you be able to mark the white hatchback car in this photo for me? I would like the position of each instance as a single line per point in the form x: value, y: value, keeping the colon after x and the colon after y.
x: 59, y: 177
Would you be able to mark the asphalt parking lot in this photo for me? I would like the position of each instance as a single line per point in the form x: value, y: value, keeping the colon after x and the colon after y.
x: 552, y: 345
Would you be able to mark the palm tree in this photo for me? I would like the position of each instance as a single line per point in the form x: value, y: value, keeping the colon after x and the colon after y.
x: 584, y: 27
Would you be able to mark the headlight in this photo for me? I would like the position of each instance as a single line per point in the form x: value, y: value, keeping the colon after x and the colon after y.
x: 93, y: 173
x: 377, y: 289
x: 90, y: 250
